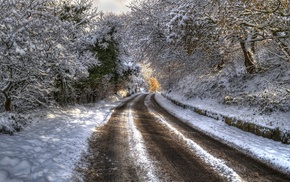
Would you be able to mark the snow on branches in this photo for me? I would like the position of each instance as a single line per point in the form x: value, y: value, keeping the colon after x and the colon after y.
x: 38, y: 51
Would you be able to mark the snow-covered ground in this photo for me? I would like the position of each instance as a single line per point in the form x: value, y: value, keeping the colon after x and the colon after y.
x: 273, y: 153
x: 46, y: 150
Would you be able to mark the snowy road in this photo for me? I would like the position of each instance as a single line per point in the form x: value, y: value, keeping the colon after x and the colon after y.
x: 143, y: 142
x: 140, y: 141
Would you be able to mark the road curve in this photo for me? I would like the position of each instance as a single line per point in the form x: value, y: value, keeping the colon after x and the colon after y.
x: 109, y: 156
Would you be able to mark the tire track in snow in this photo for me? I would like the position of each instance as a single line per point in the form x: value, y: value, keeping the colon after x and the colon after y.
x: 145, y: 167
x: 217, y: 164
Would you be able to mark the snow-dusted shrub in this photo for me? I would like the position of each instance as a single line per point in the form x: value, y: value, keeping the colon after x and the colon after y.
x: 11, y: 122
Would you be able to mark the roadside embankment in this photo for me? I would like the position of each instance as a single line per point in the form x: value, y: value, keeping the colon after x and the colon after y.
x: 277, y: 134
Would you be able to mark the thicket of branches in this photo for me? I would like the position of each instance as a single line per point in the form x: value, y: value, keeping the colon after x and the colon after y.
x: 233, y: 49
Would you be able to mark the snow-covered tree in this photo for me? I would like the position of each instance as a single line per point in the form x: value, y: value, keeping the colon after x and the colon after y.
x: 254, y: 21
x: 218, y: 25
x: 36, y: 52
x: 191, y: 25
x: 149, y: 29
x: 147, y: 26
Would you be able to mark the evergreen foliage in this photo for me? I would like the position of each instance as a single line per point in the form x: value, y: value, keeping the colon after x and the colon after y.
x: 108, y: 57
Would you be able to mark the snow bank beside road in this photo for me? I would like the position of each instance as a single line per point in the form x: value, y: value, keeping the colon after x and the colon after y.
x: 273, y: 153
x: 273, y: 120
x: 47, y: 150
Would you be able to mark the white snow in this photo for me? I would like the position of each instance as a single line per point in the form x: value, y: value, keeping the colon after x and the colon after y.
x: 47, y: 150
x: 20, y: 51
x: 271, y: 152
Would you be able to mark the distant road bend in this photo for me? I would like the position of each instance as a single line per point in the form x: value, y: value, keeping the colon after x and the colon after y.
x: 135, y: 145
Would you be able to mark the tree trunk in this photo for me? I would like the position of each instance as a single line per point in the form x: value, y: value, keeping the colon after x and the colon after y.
x: 249, y: 55
x: 7, y: 102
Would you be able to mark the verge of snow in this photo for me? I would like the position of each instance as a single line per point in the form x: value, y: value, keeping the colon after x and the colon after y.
x: 275, y: 120
x: 139, y: 152
x: 217, y: 164
x: 47, y: 150
x: 271, y: 152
